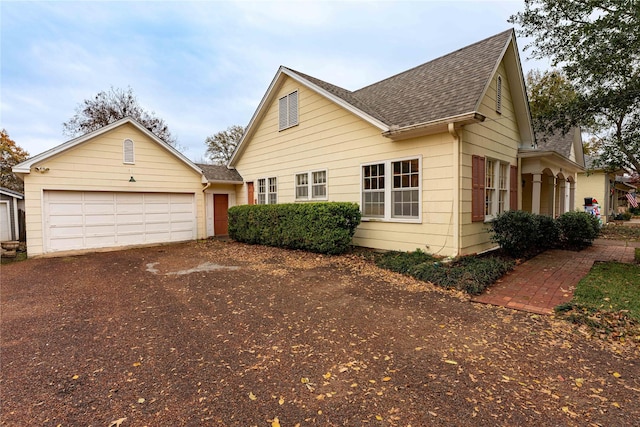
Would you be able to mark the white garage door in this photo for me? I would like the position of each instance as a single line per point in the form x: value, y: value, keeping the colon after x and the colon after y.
x: 89, y: 220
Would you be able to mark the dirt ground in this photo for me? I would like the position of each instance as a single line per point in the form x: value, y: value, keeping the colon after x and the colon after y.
x: 215, y: 333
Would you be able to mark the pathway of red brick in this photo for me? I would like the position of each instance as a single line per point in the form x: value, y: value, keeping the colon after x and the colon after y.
x: 549, y: 279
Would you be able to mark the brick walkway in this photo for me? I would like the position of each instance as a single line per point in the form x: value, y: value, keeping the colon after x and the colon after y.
x: 549, y: 279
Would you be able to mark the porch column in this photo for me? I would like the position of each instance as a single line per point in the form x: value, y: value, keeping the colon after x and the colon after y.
x: 572, y: 195
x: 562, y: 196
x: 535, y: 195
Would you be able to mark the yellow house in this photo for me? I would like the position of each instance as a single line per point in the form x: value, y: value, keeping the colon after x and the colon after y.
x: 600, y: 184
x: 116, y: 187
x: 431, y: 154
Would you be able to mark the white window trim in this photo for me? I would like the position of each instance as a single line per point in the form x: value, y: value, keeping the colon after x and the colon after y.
x: 310, y: 186
x: 124, y: 152
x: 256, y: 190
x: 496, y: 187
x: 388, y: 182
x: 287, y: 97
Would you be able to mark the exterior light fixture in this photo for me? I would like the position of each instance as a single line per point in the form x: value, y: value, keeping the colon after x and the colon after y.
x: 132, y: 179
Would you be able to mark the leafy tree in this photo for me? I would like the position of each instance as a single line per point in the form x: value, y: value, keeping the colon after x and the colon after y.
x: 110, y: 106
x: 10, y: 155
x: 597, y: 45
x: 220, y: 146
x: 550, y: 93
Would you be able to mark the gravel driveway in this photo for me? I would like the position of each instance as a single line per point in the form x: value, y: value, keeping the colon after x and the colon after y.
x: 215, y: 333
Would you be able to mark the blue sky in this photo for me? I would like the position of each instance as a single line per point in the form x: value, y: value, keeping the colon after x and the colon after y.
x: 203, y: 66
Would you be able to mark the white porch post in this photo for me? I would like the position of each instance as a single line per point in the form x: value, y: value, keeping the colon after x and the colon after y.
x: 562, y: 196
x: 535, y: 195
x: 572, y: 195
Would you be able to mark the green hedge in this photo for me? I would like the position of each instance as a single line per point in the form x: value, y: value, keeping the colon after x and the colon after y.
x: 326, y: 227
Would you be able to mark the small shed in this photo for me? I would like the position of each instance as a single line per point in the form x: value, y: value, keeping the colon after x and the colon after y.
x: 10, y: 203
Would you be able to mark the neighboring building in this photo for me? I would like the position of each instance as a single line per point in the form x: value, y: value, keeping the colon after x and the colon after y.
x: 606, y: 187
x: 10, y: 203
x: 431, y: 154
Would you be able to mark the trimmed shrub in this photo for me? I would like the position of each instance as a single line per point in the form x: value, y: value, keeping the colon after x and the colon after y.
x: 578, y: 229
x: 403, y: 262
x: 548, y: 232
x: 326, y: 227
x: 471, y: 274
x: 517, y: 232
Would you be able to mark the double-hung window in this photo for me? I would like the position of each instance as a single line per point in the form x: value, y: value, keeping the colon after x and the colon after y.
x: 311, y: 185
x: 273, y: 191
x: 267, y: 191
x: 496, y: 189
x: 288, y: 111
x: 391, y: 190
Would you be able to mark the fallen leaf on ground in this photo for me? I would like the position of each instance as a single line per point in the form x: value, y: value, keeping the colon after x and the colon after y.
x: 252, y: 396
x: 116, y: 423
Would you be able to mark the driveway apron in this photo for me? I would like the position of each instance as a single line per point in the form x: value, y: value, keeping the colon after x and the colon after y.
x: 549, y: 279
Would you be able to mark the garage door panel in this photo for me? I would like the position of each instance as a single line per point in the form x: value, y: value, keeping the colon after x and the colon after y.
x: 81, y: 220
x: 65, y: 220
x: 70, y: 231
x: 99, y: 208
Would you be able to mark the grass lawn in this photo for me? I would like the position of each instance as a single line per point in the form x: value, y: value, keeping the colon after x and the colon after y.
x: 611, y: 286
x: 608, y: 301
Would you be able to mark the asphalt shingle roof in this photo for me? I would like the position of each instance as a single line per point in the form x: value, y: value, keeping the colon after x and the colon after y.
x: 447, y: 86
x: 220, y: 173
x: 557, y: 142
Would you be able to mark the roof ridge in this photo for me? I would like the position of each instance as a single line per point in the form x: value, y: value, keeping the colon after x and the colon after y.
x: 435, y: 59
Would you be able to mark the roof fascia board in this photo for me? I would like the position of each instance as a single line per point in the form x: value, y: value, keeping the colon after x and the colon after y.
x: 25, y: 167
x: 256, y: 116
x: 270, y: 93
x: 536, y: 154
x: 349, y: 107
x: 11, y: 194
x: 511, y: 42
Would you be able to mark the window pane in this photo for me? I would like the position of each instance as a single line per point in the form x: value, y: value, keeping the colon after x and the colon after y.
x: 320, y: 177
x: 302, y: 192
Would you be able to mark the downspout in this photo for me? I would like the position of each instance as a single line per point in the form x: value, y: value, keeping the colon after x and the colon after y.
x: 457, y: 147
x: 16, y: 228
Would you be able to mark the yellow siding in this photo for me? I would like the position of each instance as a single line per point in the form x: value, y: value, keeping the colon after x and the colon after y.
x: 498, y: 137
x: 332, y: 138
x: 97, y: 165
x: 594, y: 185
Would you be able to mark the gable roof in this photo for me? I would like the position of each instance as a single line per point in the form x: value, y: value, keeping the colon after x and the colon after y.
x: 220, y: 174
x: 11, y: 193
x: 25, y: 167
x: 448, y: 86
x: 564, y: 144
x: 445, y: 90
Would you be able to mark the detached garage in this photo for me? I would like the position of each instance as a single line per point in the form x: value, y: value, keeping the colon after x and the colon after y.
x: 118, y: 186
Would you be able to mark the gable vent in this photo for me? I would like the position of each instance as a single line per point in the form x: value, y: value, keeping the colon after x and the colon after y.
x: 288, y: 111
x: 127, y: 150
x: 499, y: 95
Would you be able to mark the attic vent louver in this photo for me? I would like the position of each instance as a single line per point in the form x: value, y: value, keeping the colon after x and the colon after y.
x: 128, y: 153
x: 499, y: 95
x: 288, y: 110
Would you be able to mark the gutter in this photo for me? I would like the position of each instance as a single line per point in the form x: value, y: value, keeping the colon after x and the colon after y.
x: 396, y: 132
